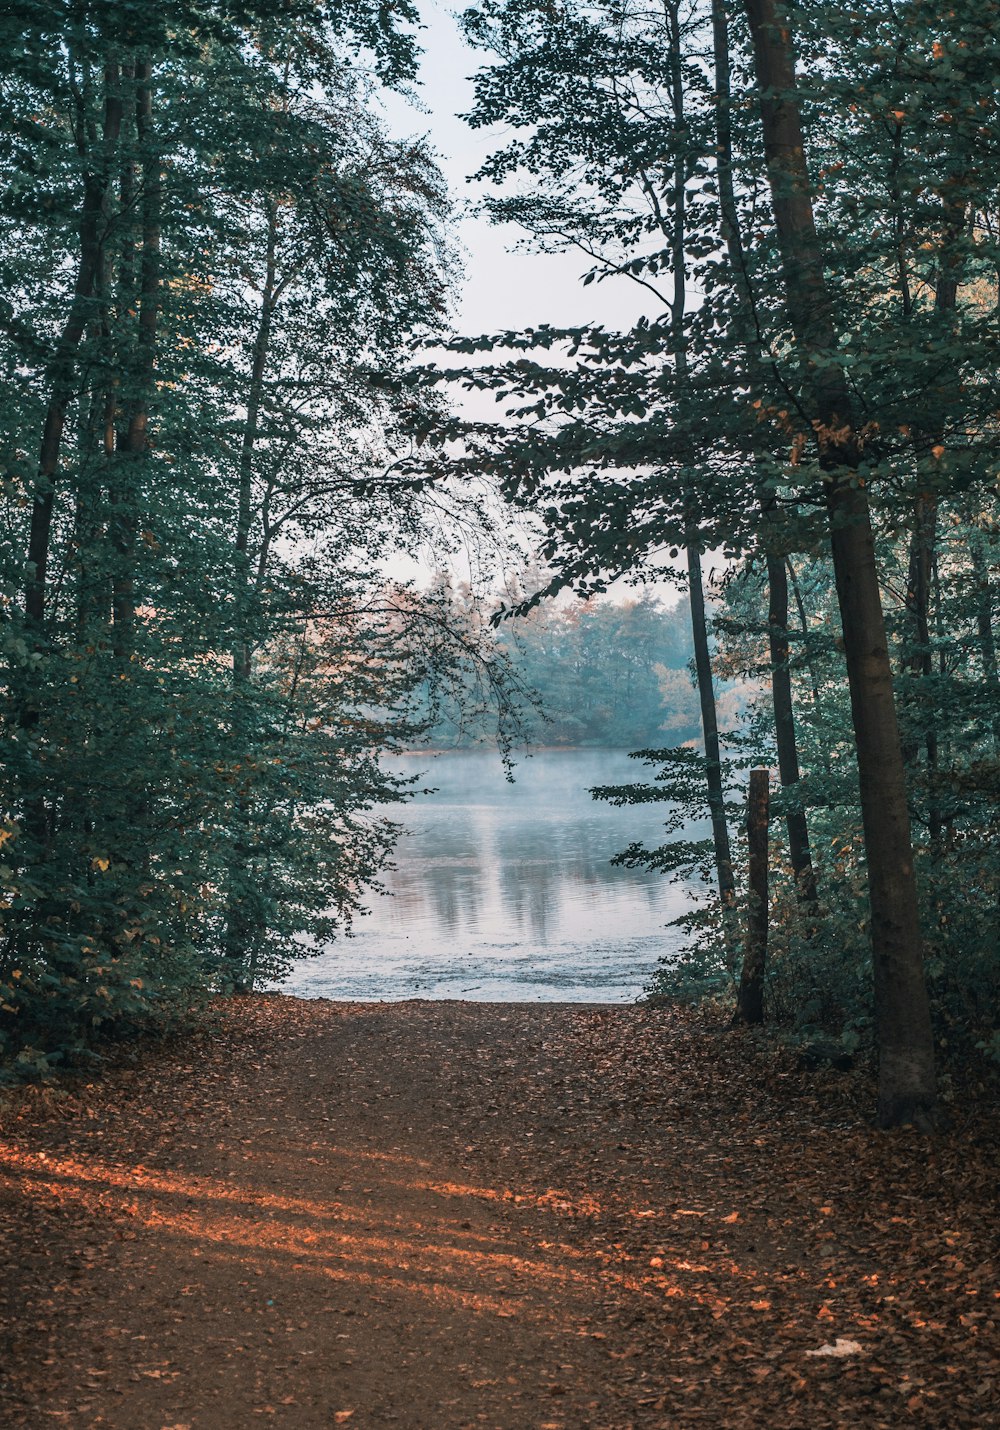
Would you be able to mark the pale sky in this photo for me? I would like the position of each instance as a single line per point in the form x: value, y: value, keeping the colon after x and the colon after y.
x: 502, y: 289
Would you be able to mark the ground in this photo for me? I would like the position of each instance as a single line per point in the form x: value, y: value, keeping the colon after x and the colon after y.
x: 450, y: 1215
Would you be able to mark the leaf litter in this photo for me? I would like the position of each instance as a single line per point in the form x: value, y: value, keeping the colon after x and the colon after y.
x: 455, y: 1215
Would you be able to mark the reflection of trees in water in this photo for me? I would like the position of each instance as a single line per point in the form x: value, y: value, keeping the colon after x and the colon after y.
x: 557, y: 857
x: 449, y: 894
x: 457, y: 897
x: 530, y: 893
x: 526, y: 862
x: 441, y: 870
x: 539, y: 862
x: 407, y: 888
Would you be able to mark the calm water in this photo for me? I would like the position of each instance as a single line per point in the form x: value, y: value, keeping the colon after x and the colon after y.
x: 504, y: 892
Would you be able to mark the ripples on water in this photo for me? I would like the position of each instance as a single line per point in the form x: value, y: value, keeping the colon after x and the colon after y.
x: 504, y: 892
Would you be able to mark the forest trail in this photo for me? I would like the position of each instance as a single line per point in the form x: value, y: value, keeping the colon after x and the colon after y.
x: 445, y: 1215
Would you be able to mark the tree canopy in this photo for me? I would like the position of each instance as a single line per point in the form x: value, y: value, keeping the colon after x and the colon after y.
x: 807, y: 196
x: 216, y: 265
x: 213, y: 259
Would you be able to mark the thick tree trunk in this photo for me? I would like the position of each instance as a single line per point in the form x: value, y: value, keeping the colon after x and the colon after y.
x: 907, y: 1090
x: 777, y: 579
x: 750, y: 1000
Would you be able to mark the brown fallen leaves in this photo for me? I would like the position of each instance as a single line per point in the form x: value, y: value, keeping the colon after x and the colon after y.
x: 443, y: 1214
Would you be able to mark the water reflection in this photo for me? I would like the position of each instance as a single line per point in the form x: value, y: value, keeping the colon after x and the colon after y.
x: 506, y: 891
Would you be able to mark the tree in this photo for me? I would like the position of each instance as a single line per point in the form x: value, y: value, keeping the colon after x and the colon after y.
x: 827, y: 397
x: 212, y: 263
x: 907, y: 1090
x: 600, y: 671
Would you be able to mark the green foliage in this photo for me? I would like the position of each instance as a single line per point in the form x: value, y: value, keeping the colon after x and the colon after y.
x: 819, y: 959
x: 701, y: 426
x: 212, y: 264
x: 602, y: 673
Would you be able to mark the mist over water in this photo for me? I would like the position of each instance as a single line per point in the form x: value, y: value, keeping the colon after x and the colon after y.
x: 505, y: 892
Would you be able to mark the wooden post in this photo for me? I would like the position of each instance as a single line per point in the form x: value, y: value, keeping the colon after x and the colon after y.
x: 750, y: 1003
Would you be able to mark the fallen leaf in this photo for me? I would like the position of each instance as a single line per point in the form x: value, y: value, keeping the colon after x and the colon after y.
x: 840, y: 1347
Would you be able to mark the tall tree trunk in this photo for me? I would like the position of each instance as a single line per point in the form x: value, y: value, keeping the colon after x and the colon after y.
x: 62, y: 376
x: 750, y: 1001
x: 62, y: 370
x: 777, y: 578
x: 923, y: 539
x: 261, y: 352
x: 239, y: 935
x: 918, y: 660
x: 800, y: 606
x: 907, y: 1089
x: 133, y: 445
x: 96, y: 449
x: 713, y: 754
x: 676, y: 233
x: 784, y: 727
x: 917, y: 655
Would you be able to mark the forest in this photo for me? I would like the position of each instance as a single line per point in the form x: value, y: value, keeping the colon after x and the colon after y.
x: 749, y: 534
x: 218, y: 427
x: 596, y: 673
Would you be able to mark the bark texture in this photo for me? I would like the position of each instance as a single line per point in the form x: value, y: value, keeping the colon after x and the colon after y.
x: 710, y: 732
x: 797, y: 827
x: 907, y: 1088
x: 750, y: 1001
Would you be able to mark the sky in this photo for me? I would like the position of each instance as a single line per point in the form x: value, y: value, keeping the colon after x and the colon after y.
x: 501, y: 288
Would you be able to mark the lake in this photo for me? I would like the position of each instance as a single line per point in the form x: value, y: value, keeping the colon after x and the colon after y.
x: 504, y: 892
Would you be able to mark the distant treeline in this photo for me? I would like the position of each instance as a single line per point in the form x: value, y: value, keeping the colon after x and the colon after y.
x: 594, y: 673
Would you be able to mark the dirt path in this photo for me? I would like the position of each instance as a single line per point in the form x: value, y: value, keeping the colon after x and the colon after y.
x: 442, y: 1215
